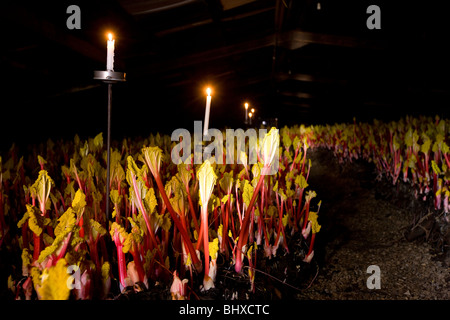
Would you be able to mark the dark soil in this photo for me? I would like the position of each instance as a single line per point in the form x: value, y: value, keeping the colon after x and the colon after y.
x: 368, y: 222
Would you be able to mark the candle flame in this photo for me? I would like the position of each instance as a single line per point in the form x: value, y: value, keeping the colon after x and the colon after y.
x: 110, y: 36
x: 246, y: 105
x: 253, y: 110
x: 208, y: 91
x: 250, y: 114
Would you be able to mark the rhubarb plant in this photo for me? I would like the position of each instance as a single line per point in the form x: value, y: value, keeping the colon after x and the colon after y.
x: 207, y: 180
x: 167, y: 219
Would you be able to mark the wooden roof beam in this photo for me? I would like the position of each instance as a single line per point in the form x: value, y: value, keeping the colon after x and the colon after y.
x: 295, y: 39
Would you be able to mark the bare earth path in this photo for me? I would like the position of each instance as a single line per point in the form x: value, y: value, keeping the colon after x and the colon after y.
x: 360, y: 229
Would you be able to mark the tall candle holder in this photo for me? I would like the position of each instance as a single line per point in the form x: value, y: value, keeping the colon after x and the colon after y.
x: 109, y: 77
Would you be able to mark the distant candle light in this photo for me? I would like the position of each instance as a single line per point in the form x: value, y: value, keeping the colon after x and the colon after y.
x: 246, y: 113
x: 110, y: 53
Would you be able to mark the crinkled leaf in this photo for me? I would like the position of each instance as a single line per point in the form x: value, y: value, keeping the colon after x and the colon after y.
x: 445, y: 148
x: 285, y: 220
x: 224, y: 199
x: 207, y: 179
x: 256, y: 172
x: 214, y: 248
x: 287, y: 142
x: 42, y: 186
x: 115, y: 198
x: 66, y: 225
x: 425, y: 147
x: 66, y: 222
x: 23, y: 220
x: 248, y: 193
x: 118, y: 232
x: 269, y: 147
x: 79, y: 202
x: 435, y: 167
x: 310, y: 195
x: 96, y: 229
x: 27, y: 259
x: 297, y: 143
x: 184, y: 174
x: 300, y: 181
x: 315, y: 226
x: 153, y: 156
x: 54, y: 282
x: 150, y: 201
x: 70, y: 190
x: 36, y: 221
x: 178, y: 202
x: 226, y: 183
x: 213, y: 203
x: 41, y: 160
x: 106, y: 268
x: 98, y: 140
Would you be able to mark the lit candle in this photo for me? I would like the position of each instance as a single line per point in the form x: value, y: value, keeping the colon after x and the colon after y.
x: 250, y: 115
x: 246, y: 112
x: 110, y: 53
x: 208, y: 105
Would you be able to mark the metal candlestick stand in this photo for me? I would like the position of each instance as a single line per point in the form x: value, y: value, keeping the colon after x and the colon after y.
x: 109, y: 77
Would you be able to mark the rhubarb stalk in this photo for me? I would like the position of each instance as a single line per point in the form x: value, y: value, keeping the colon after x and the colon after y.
x: 153, y: 160
x: 207, y: 180
x: 268, y: 150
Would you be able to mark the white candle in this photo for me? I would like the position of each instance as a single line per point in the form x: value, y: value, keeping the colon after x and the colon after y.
x: 110, y: 53
x: 208, y: 105
x: 246, y: 112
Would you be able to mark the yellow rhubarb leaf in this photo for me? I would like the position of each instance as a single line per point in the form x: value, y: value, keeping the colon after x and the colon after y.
x: 42, y: 186
x: 55, y: 282
x: 226, y: 183
x: 315, y: 226
x: 106, y: 267
x: 96, y: 229
x: 269, y: 147
x: 213, y: 203
x: 184, y: 174
x: 250, y: 250
x: 98, y: 140
x: 27, y: 259
x: 65, y: 226
x: 248, y: 193
x: 285, y: 220
x: 150, y: 201
x: 207, y: 179
x: 117, y: 228
x: 36, y: 221
x: 425, y: 147
x: 41, y: 160
x: 310, y: 195
x: 214, y: 248
x: 153, y: 156
x: 435, y: 167
x: 272, y: 211
x: 300, y: 181
x: 79, y: 202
